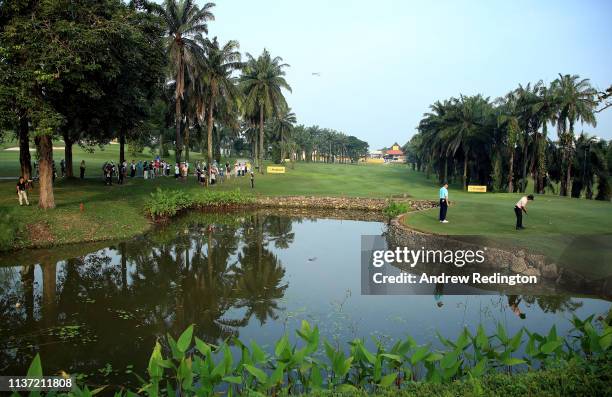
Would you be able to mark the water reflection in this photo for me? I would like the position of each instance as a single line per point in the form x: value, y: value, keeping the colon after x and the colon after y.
x: 99, y: 310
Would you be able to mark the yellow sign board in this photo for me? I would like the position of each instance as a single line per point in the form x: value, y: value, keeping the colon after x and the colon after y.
x: 477, y: 189
x: 275, y: 170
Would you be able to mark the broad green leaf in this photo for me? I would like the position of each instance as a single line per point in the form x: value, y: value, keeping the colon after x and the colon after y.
x: 233, y: 379
x: 316, y: 379
x: 35, y: 369
x: 419, y: 354
x: 550, y: 347
x: 512, y: 361
x: 257, y: 373
x: 281, y: 346
x: 552, y: 334
x: 277, y: 375
x: 434, y: 357
x: 482, y: 340
x: 185, y: 339
x: 449, y: 359
x: 478, y: 370
x: 257, y: 354
x: 392, y: 357
x: 202, y: 346
x: 388, y: 380
x: 515, y: 342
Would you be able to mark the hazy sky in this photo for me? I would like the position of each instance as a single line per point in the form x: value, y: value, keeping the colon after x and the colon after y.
x: 382, y: 63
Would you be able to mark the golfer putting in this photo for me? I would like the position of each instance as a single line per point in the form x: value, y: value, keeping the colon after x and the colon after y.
x: 519, y: 208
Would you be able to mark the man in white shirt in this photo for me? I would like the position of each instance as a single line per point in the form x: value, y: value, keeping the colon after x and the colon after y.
x: 521, y: 206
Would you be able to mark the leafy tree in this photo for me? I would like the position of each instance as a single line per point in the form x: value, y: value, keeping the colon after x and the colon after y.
x: 184, y: 20
x: 576, y: 103
x: 218, y: 64
x: 262, y: 82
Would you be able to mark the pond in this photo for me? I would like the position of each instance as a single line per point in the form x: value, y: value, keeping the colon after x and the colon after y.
x: 97, y: 309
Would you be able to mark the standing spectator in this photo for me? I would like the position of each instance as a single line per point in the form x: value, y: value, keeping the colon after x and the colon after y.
x: 108, y: 174
x: 177, y: 171
x: 133, y: 169
x: 139, y: 168
x: 121, y: 173
x: 145, y: 170
x: 82, y: 169
x: 54, y: 171
x: 21, y: 191
x: 443, y: 202
x: 63, y: 167
x: 252, y: 180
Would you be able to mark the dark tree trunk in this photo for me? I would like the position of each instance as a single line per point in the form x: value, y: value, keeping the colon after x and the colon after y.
x: 68, y: 156
x: 25, y: 160
x: 178, y: 145
x: 209, y: 137
x: 161, y: 145
x: 186, y: 142
x: 465, y: 170
x: 524, y: 172
x: 121, y: 147
x: 261, y: 138
x: 511, y: 172
x: 44, y: 145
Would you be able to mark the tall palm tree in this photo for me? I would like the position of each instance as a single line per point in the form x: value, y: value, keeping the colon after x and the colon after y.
x: 218, y: 64
x: 546, y: 108
x: 283, y: 125
x: 508, y: 121
x: 262, y: 82
x: 577, y: 102
x: 184, y: 20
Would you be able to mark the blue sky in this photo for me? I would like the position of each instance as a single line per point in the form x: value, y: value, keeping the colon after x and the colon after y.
x: 382, y: 63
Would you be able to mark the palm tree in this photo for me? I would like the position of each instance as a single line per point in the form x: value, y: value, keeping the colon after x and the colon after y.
x: 218, y: 64
x: 184, y: 20
x: 508, y: 120
x: 546, y: 108
x: 577, y: 102
x: 283, y: 125
x: 262, y: 82
x: 466, y: 128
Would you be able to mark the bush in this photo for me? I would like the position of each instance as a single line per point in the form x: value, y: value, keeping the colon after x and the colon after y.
x: 167, y: 203
x: 394, y: 209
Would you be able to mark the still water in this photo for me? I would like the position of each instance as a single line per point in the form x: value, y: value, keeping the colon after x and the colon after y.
x: 98, y: 309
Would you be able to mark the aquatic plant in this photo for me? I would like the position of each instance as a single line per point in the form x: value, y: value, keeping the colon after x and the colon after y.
x: 194, y: 367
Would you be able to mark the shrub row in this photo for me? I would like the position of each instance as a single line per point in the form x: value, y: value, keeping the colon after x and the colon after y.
x: 167, y: 203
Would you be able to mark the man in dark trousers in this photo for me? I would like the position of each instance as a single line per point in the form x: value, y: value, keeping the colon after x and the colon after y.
x: 521, y: 206
x: 252, y: 180
x: 443, y: 202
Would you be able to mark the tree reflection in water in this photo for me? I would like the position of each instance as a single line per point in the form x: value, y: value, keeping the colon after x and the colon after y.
x: 118, y: 301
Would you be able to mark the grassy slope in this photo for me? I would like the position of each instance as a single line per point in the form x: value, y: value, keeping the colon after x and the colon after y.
x: 116, y: 211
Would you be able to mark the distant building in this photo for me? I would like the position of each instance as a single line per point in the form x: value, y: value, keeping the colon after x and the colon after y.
x: 376, y: 154
x: 394, y: 155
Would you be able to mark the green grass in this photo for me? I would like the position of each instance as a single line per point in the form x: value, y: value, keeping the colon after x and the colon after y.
x: 117, y: 212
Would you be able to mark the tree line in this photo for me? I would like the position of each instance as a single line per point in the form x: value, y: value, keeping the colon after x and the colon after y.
x: 147, y: 75
x: 506, y: 142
